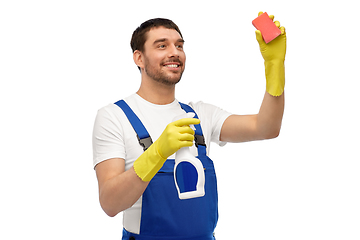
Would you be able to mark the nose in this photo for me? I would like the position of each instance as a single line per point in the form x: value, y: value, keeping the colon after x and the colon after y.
x: 173, y: 51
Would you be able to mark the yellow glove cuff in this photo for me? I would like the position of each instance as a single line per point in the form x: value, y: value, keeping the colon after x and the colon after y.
x: 275, y: 77
x: 149, y: 163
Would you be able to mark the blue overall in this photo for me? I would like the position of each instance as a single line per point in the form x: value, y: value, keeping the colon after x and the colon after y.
x: 163, y: 215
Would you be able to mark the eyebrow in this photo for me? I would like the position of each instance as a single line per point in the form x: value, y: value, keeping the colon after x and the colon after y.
x: 165, y: 39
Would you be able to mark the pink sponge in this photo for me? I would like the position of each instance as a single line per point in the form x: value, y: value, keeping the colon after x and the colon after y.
x: 267, y: 27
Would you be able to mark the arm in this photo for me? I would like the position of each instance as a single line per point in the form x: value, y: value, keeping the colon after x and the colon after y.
x: 264, y: 125
x: 118, y: 189
x: 267, y: 123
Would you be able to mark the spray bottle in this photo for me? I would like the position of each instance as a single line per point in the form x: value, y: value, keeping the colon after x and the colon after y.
x: 188, y: 171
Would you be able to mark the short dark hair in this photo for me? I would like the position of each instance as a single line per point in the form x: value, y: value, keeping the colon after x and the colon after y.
x: 138, y: 38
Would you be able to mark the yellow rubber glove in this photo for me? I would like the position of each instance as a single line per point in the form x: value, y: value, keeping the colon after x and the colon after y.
x: 176, y: 135
x: 274, y: 57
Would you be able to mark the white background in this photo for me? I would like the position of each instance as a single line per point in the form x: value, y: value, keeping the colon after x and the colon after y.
x: 60, y: 61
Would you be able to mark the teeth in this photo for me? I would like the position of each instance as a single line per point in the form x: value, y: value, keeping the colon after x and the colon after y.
x: 173, y: 65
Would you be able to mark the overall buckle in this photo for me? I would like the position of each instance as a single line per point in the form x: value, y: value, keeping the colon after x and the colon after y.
x: 145, y: 142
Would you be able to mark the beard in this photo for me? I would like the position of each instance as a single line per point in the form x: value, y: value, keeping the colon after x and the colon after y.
x: 160, y: 76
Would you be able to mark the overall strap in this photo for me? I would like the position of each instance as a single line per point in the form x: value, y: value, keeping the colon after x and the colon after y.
x: 199, y: 137
x: 142, y: 134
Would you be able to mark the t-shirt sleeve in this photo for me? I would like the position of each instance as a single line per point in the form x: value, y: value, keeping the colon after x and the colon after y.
x: 212, y: 117
x: 107, y: 137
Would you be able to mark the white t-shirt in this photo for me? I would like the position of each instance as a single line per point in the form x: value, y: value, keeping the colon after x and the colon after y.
x: 114, y: 137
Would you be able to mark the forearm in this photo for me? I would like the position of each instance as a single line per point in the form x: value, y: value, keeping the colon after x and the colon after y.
x: 121, y: 192
x: 269, y: 118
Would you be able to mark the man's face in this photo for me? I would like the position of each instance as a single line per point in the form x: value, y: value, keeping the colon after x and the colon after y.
x: 164, y: 56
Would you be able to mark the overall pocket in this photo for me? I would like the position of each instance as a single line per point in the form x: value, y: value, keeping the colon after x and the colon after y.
x: 164, y: 214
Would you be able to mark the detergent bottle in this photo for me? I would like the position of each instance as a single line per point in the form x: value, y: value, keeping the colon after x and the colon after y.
x: 188, y: 171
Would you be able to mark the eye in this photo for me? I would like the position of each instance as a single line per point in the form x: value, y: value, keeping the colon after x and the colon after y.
x: 180, y: 46
x: 161, y: 46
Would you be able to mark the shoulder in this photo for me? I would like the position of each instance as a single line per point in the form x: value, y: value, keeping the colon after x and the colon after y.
x: 200, y: 106
x: 208, y: 110
x: 113, y: 111
x: 109, y: 113
x: 210, y: 115
x: 112, y: 118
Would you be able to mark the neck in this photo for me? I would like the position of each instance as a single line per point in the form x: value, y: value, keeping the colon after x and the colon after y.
x: 156, y: 93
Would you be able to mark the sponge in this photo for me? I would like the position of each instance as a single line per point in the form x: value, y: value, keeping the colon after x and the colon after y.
x: 267, y: 27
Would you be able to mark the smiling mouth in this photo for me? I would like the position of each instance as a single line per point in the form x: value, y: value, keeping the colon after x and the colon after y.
x: 172, y: 65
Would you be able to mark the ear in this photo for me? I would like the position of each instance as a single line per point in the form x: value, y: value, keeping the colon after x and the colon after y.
x: 138, y: 58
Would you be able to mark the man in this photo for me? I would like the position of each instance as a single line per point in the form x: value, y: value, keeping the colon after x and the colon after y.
x: 135, y: 175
